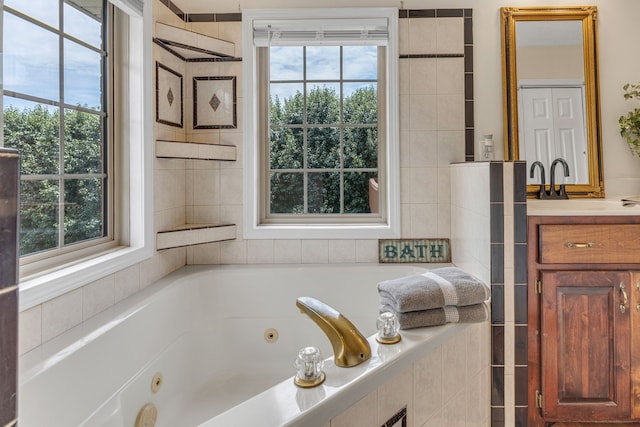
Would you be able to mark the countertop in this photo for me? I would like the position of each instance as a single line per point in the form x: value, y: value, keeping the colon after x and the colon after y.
x: 582, y: 207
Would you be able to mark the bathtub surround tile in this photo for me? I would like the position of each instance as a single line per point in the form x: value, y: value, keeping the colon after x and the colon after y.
x: 30, y: 329
x: 366, y: 251
x: 233, y: 252
x: 287, y: 251
x: 423, y: 149
x: 427, y: 387
x: 204, y: 254
x: 61, y: 314
x: 127, y: 282
x: 362, y: 414
x: 8, y: 354
x: 98, y: 296
x: 454, y: 354
x: 395, y: 397
x: 260, y: 251
x: 315, y: 251
x: 342, y: 251
x: 161, y: 264
x: 450, y: 34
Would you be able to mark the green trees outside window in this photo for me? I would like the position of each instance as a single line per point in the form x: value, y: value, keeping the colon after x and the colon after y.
x: 35, y: 132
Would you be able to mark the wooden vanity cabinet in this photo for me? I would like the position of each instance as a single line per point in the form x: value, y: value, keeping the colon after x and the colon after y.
x: 584, y: 319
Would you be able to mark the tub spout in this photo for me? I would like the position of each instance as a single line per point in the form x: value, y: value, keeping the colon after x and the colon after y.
x: 350, y: 347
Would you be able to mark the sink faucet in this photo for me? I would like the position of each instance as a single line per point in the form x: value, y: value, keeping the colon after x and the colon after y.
x: 350, y: 347
x: 561, y: 194
x: 542, y: 194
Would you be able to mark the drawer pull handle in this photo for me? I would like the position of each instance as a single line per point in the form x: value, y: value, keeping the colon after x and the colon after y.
x: 623, y: 304
x: 580, y: 245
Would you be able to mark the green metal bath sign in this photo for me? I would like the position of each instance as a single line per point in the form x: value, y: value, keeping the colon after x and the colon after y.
x: 414, y: 250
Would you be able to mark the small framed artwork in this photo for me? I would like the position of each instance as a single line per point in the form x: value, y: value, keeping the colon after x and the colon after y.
x: 214, y: 102
x: 168, y: 96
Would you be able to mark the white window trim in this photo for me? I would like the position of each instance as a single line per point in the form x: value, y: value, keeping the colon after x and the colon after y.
x: 253, y: 229
x: 139, y: 185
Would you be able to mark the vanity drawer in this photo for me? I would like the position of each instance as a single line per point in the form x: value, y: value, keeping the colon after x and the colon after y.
x: 589, y: 243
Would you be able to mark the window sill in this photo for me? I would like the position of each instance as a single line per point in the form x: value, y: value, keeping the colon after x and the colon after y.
x: 38, y: 289
x: 315, y: 231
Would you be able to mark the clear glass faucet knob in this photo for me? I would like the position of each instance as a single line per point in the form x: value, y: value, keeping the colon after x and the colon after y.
x: 309, y: 364
x: 388, y: 328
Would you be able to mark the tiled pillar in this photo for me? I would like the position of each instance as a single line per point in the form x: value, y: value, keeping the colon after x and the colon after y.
x: 9, y: 181
x: 509, y: 294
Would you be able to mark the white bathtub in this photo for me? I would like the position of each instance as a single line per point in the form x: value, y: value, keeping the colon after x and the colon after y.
x: 204, y: 329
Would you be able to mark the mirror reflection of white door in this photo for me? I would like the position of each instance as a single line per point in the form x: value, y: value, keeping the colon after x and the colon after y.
x: 552, y: 125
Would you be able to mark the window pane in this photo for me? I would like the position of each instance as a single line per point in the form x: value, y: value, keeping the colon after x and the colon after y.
x: 287, y: 193
x: 323, y: 104
x: 34, y: 130
x: 83, y: 21
x: 82, y: 142
x: 82, y: 210
x: 38, y: 216
x: 361, y: 147
x: 286, y: 148
x: 324, y: 193
x: 323, y: 148
x: 361, y: 103
x: 42, y: 10
x: 360, y: 62
x: 31, y: 59
x: 285, y: 63
x: 323, y: 62
x: 287, y: 103
x: 82, y: 76
x: 357, y: 189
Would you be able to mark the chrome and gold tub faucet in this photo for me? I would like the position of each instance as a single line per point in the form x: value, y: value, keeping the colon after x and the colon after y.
x: 350, y: 347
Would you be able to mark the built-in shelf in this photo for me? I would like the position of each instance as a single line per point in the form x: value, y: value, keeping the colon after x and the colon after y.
x: 194, y: 234
x: 194, y: 150
x: 192, y: 46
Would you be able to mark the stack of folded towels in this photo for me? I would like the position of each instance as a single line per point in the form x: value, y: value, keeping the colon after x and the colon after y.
x: 443, y: 295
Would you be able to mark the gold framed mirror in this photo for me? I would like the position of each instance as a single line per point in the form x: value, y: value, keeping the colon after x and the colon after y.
x: 551, y: 96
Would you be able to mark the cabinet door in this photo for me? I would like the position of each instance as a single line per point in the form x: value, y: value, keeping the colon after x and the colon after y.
x: 585, y: 352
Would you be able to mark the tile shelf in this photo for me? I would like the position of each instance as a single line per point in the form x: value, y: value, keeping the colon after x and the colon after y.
x: 194, y: 234
x: 194, y: 150
x: 191, y: 46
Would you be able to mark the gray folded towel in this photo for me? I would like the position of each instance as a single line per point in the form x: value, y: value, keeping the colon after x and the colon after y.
x: 447, y: 286
x: 439, y: 316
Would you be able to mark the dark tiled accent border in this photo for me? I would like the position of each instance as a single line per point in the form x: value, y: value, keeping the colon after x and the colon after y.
x: 497, y: 305
x: 496, y: 220
x: 522, y: 345
x: 201, y: 17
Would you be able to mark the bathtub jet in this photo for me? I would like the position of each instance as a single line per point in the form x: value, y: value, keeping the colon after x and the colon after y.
x: 350, y: 347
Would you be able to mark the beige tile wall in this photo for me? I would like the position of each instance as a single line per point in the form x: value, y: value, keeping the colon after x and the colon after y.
x: 448, y: 387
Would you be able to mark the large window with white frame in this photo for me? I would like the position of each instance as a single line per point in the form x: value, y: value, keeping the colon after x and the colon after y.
x: 73, y: 90
x: 56, y: 112
x: 322, y: 123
